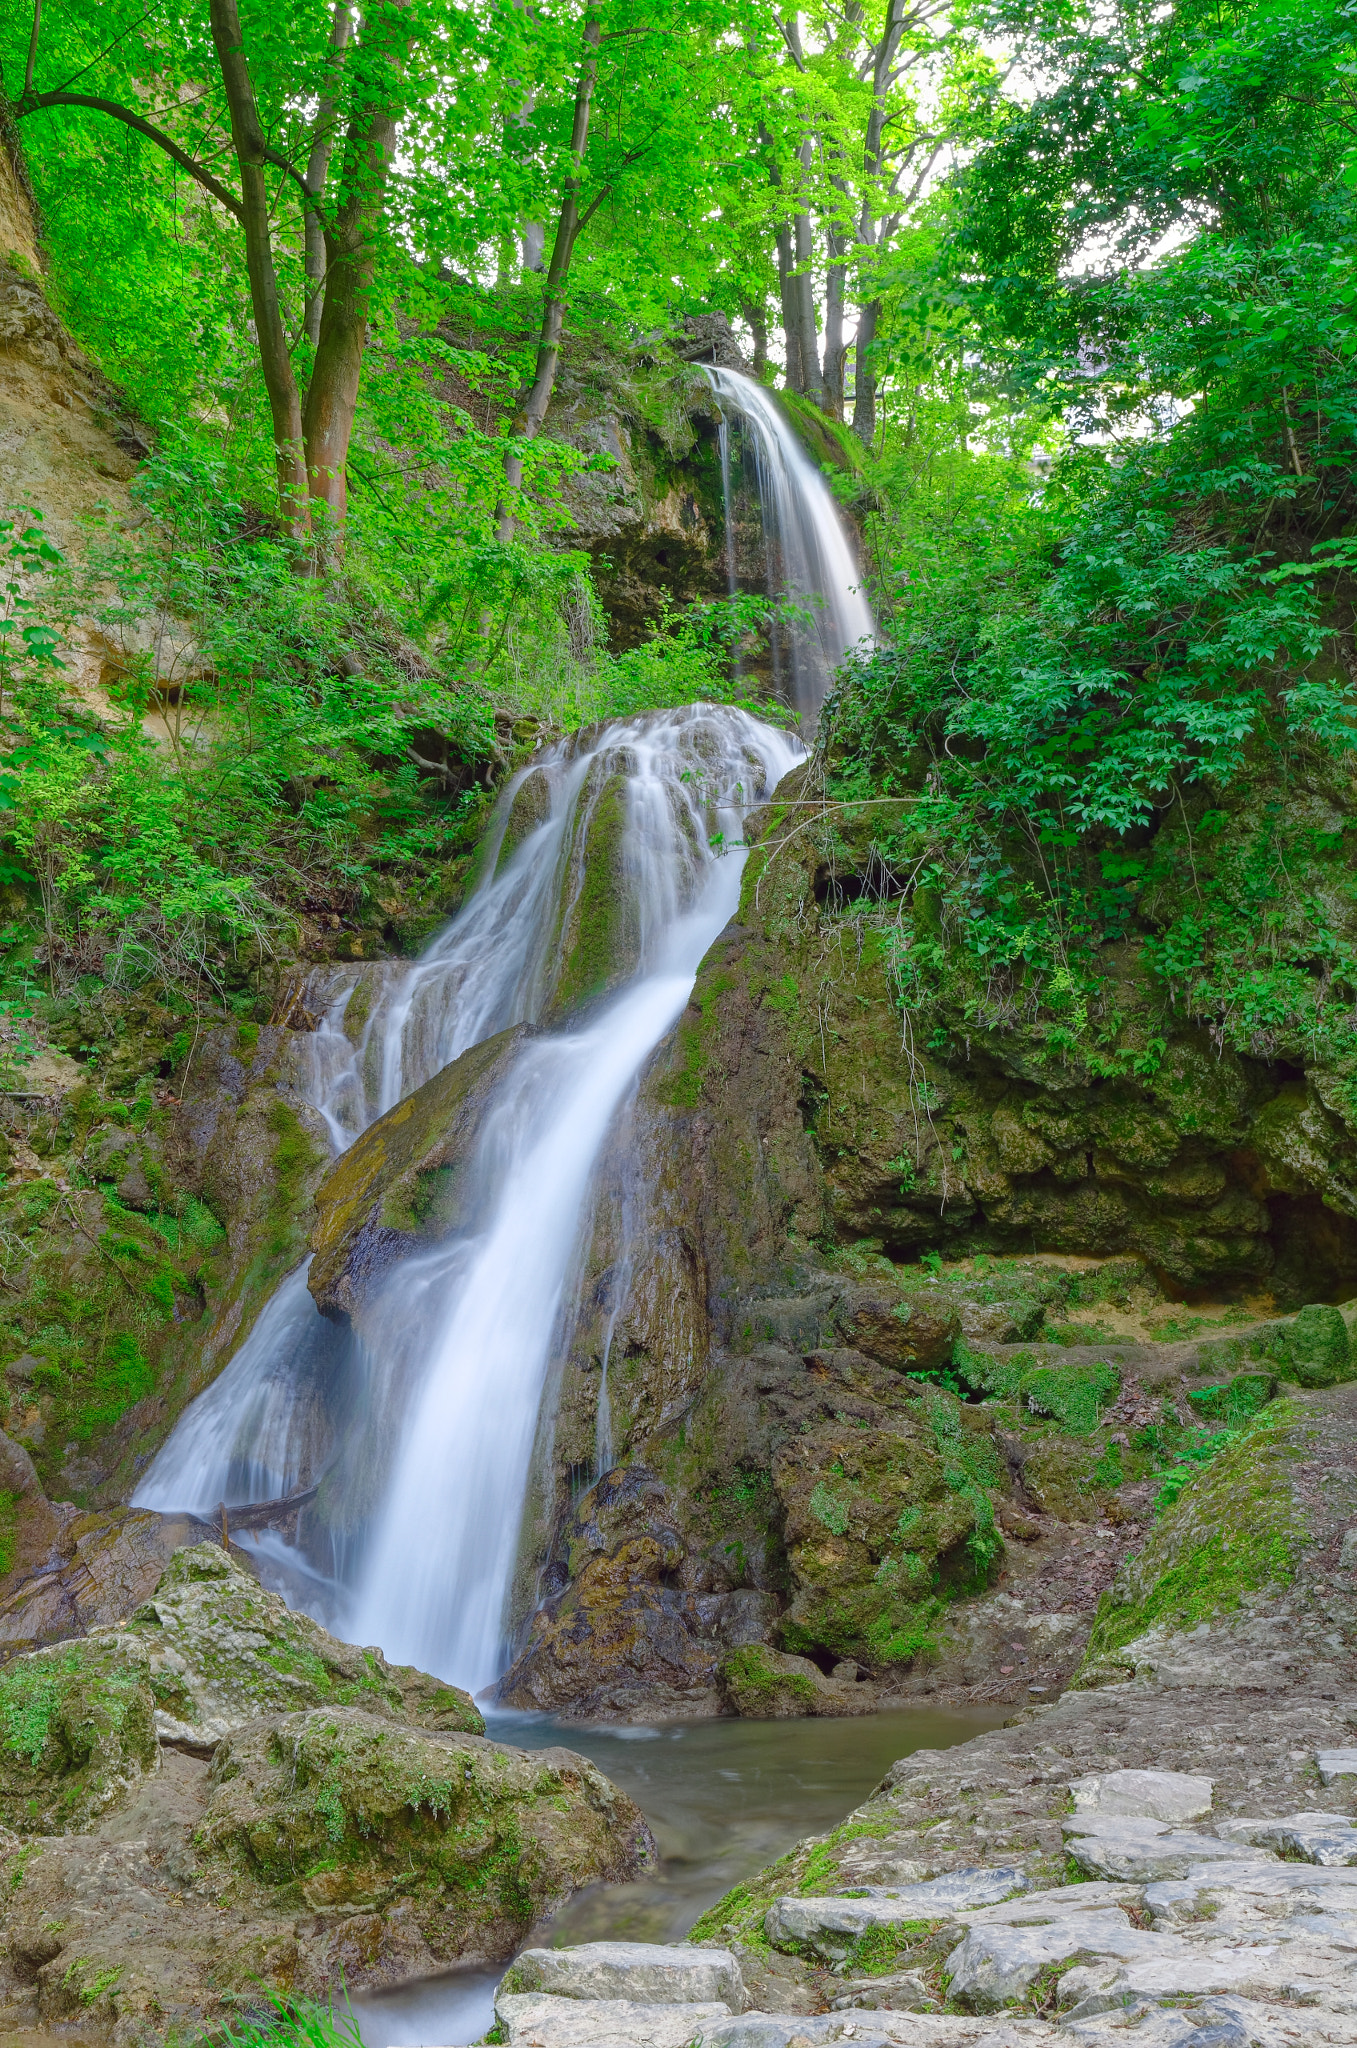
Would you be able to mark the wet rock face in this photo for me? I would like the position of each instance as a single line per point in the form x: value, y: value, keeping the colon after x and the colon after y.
x: 626, y: 1630
x: 406, y: 1181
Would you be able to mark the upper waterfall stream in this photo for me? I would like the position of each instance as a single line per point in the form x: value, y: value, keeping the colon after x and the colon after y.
x: 426, y: 1430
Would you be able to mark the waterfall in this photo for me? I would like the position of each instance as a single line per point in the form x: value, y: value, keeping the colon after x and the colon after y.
x: 808, y: 555
x: 442, y: 1389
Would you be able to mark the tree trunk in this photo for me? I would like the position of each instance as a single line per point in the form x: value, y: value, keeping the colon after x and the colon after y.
x: 791, y: 317
x: 836, y: 348
x: 812, y: 383
x: 529, y: 422
x: 317, y: 170
x: 756, y: 321
x: 350, y: 261
x: 864, y: 374
x: 247, y: 137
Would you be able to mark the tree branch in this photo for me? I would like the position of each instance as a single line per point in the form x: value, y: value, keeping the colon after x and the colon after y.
x: 32, y: 48
x: 171, y: 148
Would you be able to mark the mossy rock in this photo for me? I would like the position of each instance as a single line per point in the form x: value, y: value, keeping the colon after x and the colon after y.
x: 77, y: 1732
x: 598, y: 935
x: 1072, y: 1395
x: 877, y: 1521
x: 222, y: 1650
x: 405, y: 1182
x: 335, y: 1809
x: 1235, y: 1530
x: 760, y: 1684
x: 1069, y: 1479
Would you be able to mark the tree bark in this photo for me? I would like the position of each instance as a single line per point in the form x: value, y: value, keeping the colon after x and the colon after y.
x: 864, y: 371
x: 317, y: 170
x: 757, y: 323
x: 864, y: 374
x: 247, y: 135
x: 812, y: 382
x: 534, y: 411
x: 350, y: 262
x: 791, y: 318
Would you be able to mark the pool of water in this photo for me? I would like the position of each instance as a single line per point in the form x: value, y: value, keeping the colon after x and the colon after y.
x: 722, y: 1797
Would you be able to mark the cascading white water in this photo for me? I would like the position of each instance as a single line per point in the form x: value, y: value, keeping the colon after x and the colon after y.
x: 441, y: 1430
x: 808, y: 554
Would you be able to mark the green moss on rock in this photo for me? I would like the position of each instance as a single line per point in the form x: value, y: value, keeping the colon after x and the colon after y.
x: 77, y: 1731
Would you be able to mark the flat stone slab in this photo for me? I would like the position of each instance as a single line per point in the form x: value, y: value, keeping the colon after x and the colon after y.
x: 1282, y: 1890
x: 1141, y: 1851
x: 531, y: 2021
x: 870, y: 2030
x: 1039, y: 1909
x: 1336, y: 1763
x: 1268, y: 1972
x: 1145, y: 1795
x: 828, y: 1925
x: 647, y: 1972
x: 1328, y: 1838
x: 994, y: 1965
x: 1209, y: 2023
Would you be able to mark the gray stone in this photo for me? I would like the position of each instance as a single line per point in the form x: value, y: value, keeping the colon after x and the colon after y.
x: 907, y: 2030
x: 1277, y: 1889
x: 1328, y: 1838
x: 1141, y: 1851
x: 1175, y: 1971
x: 1039, y: 1909
x: 1210, y: 2023
x: 1336, y: 1763
x: 904, y: 1992
x: 531, y: 2021
x: 1147, y: 1795
x: 996, y: 1964
x: 829, y: 1925
x: 646, y: 1972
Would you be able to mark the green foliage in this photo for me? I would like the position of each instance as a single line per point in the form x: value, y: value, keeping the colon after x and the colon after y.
x: 293, y: 2023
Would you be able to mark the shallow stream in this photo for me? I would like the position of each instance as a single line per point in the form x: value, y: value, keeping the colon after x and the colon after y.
x: 723, y: 1798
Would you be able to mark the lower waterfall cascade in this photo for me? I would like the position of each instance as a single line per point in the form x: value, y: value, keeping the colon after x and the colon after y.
x: 432, y: 1423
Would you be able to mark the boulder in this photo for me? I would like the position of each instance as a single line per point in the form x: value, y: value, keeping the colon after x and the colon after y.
x: 407, y: 1181
x: 342, y: 1809
x: 761, y: 1684
x: 646, y: 1972
x: 621, y: 1638
x: 1325, y: 1838
x: 874, y: 1519
x: 77, y: 1733
x: 222, y: 1651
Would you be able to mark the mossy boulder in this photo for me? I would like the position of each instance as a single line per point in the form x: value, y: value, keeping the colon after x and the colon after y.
x: 597, y: 942
x: 77, y: 1733
x: 876, y: 1521
x: 336, y: 1809
x: 407, y: 1181
x: 223, y: 1650
x: 760, y: 1684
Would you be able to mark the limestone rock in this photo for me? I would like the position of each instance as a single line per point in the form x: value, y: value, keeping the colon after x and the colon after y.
x: 830, y: 1925
x: 352, y: 1810
x: 532, y: 2021
x: 1141, y: 1850
x: 761, y: 1684
x: 620, y: 1637
x: 80, y: 1571
x: 1152, y: 1795
x: 1325, y: 1838
x: 1334, y: 1764
x: 77, y: 1733
x: 406, y: 1181
x: 223, y: 1650
x: 995, y: 1965
x: 646, y: 1973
